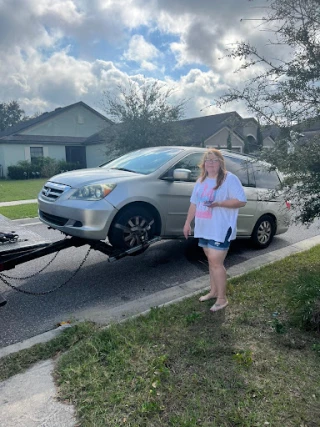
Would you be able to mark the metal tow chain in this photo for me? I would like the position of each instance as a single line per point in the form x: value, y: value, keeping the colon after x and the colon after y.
x: 31, y: 275
x: 2, y: 278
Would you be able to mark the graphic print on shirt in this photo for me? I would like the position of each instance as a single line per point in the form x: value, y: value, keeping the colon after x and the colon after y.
x: 208, y: 193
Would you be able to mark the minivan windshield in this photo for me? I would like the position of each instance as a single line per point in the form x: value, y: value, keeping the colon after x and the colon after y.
x: 144, y: 161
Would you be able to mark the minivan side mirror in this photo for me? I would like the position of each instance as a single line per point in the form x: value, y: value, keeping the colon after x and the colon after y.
x: 181, y: 174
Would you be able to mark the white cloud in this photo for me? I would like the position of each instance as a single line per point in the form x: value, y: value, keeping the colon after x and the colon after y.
x: 56, y: 52
x: 148, y: 66
x: 141, y: 51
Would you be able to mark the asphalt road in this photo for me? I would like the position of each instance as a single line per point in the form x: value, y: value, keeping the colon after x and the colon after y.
x: 100, y: 284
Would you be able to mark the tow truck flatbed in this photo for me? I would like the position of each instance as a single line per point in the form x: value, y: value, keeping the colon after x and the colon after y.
x: 19, y: 245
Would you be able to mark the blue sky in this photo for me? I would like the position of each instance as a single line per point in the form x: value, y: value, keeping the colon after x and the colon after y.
x: 58, y: 52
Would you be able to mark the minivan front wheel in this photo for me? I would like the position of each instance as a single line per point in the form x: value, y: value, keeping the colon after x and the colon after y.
x: 263, y: 232
x: 133, y: 226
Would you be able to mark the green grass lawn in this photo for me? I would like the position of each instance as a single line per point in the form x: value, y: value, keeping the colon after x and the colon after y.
x: 29, y: 210
x: 20, y: 189
x: 183, y: 366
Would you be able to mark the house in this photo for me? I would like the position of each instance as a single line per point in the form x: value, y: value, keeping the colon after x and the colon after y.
x: 60, y: 134
x: 214, y: 131
x: 78, y: 134
x: 206, y: 131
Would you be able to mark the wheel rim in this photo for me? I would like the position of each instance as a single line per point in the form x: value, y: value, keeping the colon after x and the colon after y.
x: 264, y: 232
x: 135, y: 232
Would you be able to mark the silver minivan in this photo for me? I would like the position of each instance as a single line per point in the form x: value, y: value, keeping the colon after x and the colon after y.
x: 146, y: 193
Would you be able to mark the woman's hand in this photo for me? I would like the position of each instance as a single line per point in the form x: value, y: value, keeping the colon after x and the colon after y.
x: 187, y: 230
x: 230, y: 203
x: 213, y: 205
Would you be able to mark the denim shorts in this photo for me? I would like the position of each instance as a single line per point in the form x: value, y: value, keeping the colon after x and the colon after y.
x: 213, y: 244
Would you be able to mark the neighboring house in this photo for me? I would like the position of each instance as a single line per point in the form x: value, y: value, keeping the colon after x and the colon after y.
x: 308, y: 130
x: 60, y: 134
x: 301, y: 133
x: 78, y: 134
x: 207, y: 131
x: 214, y: 130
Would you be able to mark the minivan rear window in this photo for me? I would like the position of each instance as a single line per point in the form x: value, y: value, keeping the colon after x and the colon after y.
x: 239, y: 168
x: 266, y: 178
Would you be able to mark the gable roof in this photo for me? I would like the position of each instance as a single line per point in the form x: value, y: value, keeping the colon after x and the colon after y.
x: 195, y: 130
x: 309, y: 125
x: 45, y: 116
x: 199, y: 129
x: 273, y: 131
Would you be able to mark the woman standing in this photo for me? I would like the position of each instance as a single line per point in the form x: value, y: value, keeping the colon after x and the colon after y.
x: 215, y: 202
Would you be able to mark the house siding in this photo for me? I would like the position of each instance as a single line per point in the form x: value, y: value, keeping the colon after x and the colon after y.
x: 96, y: 155
x: 78, y: 121
x: 220, y: 140
x: 250, y: 128
x: 268, y: 142
x: 74, y: 123
x: 11, y: 154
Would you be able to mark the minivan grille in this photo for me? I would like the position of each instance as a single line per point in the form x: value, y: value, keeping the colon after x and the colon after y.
x: 53, y: 219
x: 51, y: 191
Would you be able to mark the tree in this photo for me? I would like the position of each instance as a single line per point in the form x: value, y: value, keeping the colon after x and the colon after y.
x: 144, y: 117
x: 286, y: 92
x: 10, y: 114
x: 246, y: 146
x: 229, y: 142
x: 259, y: 138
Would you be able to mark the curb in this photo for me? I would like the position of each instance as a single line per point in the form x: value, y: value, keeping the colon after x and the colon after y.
x: 38, y: 339
x: 172, y: 295
x: 18, y: 202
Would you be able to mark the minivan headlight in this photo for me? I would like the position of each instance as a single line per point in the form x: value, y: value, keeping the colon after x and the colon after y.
x: 93, y: 192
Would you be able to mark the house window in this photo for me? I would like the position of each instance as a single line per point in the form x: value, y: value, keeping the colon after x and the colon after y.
x: 35, y: 153
x: 80, y: 119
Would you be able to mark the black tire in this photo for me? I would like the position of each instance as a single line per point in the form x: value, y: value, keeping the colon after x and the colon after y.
x: 263, y: 232
x: 132, y: 227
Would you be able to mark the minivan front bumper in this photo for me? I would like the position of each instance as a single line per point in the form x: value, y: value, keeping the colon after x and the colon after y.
x: 78, y: 218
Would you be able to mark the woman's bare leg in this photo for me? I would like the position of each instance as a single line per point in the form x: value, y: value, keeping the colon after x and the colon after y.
x: 213, y: 290
x: 218, y: 273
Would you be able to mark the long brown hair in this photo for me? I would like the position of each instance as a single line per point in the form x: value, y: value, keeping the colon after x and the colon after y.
x: 222, y: 170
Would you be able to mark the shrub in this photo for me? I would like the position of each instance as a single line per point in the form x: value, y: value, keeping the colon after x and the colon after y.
x: 44, y: 167
x: 48, y: 166
x: 67, y: 166
x: 304, y: 301
x: 23, y: 170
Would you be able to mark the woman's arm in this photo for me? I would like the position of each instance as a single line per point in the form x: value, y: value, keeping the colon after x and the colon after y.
x: 190, y: 216
x: 231, y: 204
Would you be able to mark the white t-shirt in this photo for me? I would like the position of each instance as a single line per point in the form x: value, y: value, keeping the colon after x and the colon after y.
x: 214, y: 223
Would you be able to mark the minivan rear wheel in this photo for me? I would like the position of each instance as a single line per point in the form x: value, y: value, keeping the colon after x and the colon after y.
x: 263, y: 232
x: 131, y: 227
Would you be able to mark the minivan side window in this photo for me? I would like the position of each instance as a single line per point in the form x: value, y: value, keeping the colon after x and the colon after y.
x: 266, y: 178
x: 239, y: 168
x: 190, y: 162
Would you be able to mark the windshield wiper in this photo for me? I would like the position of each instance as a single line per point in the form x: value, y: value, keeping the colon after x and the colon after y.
x: 123, y: 169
